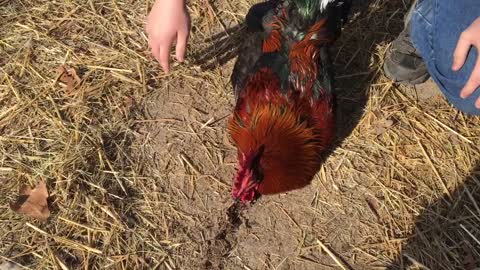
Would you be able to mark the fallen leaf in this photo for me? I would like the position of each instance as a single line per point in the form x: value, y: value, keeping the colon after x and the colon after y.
x: 128, y: 102
x: 68, y: 76
x: 454, y: 139
x: 33, y: 202
x: 378, y: 114
x: 373, y: 204
x: 469, y: 260
x: 9, y: 266
x: 382, y: 126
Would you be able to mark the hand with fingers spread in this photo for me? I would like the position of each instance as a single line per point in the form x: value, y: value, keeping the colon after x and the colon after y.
x: 470, y: 37
x: 168, y: 22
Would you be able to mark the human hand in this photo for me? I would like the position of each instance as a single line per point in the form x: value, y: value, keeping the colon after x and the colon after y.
x: 168, y: 22
x: 470, y: 37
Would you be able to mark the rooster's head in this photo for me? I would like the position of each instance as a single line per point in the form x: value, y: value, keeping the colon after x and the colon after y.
x: 249, y: 175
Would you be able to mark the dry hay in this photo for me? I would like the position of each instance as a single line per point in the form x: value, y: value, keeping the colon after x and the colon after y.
x: 139, y: 166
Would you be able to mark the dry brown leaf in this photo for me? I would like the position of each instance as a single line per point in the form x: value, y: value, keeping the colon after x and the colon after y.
x: 374, y: 207
x: 469, y: 260
x: 382, y: 126
x: 68, y: 76
x: 33, y: 202
x: 128, y: 102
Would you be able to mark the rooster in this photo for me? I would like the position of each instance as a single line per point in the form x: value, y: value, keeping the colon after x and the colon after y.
x: 283, y: 119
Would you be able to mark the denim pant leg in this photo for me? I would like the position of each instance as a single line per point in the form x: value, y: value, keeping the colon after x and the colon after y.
x: 436, y: 26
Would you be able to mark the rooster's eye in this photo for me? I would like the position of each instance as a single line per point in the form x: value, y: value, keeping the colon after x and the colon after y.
x: 258, y: 175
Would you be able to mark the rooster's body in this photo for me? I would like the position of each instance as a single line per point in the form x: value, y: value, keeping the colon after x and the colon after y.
x: 284, y: 117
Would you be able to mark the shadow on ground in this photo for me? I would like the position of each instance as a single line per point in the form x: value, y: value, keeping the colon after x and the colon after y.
x: 451, y: 224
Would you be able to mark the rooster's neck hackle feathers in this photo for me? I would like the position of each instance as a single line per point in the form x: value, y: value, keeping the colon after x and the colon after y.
x: 291, y: 131
x: 291, y: 146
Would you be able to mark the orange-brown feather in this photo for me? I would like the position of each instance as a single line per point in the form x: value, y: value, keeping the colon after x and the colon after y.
x: 304, y: 56
x: 273, y: 42
x: 292, y: 138
x: 292, y: 148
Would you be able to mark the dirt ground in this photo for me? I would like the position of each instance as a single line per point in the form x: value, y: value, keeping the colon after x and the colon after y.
x: 401, y: 190
x: 358, y: 202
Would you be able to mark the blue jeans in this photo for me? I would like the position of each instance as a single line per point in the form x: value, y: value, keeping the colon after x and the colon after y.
x: 436, y: 26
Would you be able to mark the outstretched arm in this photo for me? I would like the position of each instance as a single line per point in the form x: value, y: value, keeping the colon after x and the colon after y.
x: 167, y: 23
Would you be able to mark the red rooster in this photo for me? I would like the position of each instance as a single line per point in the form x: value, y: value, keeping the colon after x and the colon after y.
x: 284, y: 119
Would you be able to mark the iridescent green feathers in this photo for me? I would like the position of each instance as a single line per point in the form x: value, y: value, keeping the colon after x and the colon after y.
x: 309, y: 8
